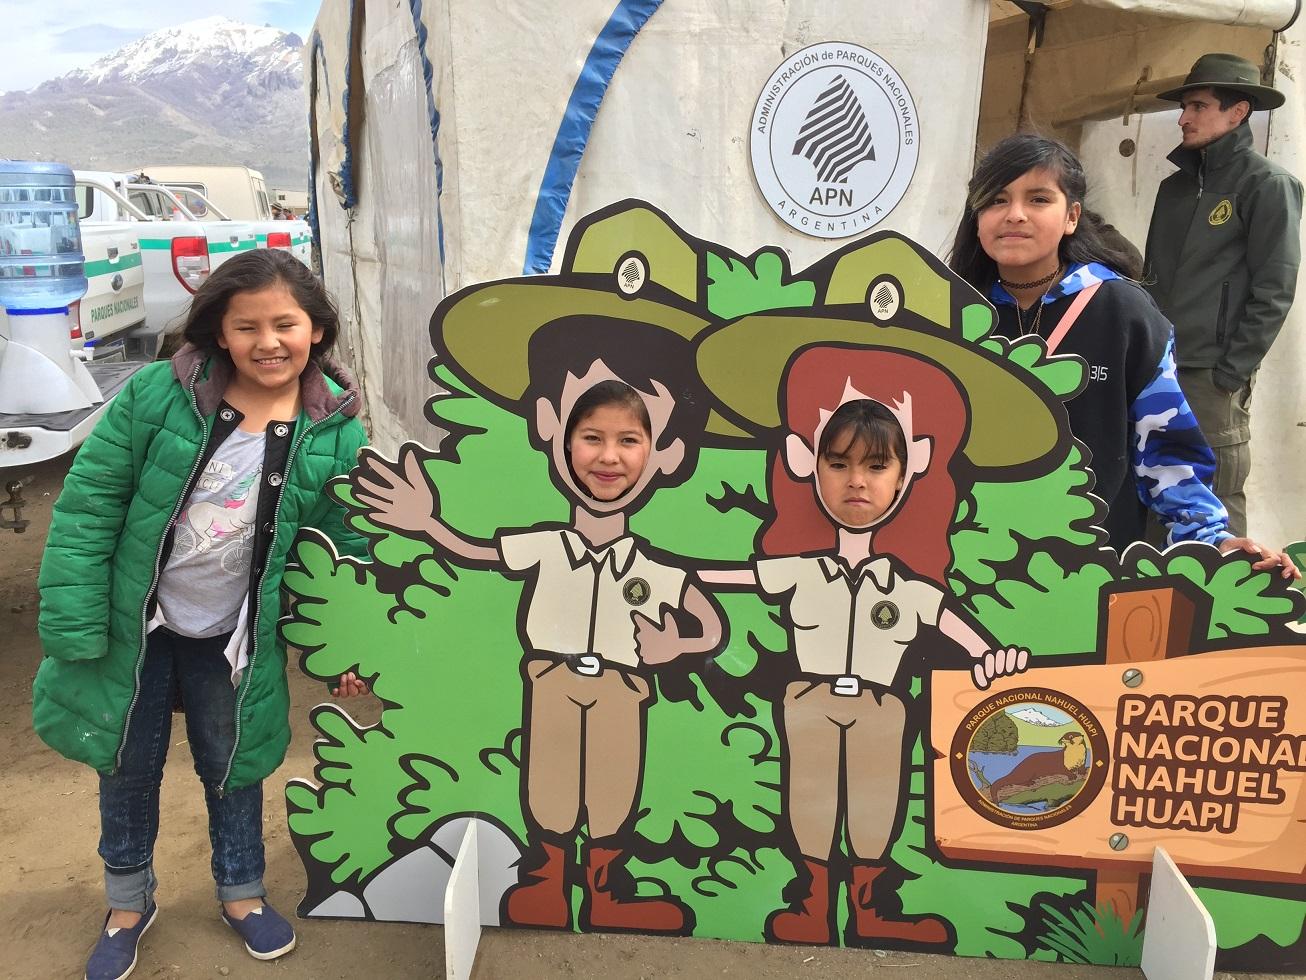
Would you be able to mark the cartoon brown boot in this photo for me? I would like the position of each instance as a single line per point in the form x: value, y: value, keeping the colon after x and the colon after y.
x: 604, y: 908
x: 868, y: 923
x: 540, y: 898
x: 807, y: 920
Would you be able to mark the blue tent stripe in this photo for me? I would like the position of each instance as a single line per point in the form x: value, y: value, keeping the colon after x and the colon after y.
x: 428, y: 72
x: 574, y: 131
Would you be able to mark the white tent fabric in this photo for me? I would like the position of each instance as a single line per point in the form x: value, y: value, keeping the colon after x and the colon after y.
x: 1276, y: 509
x: 672, y: 127
x: 1274, y: 14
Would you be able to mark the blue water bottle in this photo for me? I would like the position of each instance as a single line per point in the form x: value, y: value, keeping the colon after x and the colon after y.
x: 42, y: 268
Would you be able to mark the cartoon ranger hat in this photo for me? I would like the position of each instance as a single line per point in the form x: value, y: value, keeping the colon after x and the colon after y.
x: 627, y: 262
x: 886, y: 292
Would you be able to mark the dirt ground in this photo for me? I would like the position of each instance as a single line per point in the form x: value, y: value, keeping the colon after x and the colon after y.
x: 51, y: 880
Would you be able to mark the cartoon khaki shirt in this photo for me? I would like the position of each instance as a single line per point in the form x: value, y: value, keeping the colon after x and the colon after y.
x: 847, y: 623
x: 582, y: 599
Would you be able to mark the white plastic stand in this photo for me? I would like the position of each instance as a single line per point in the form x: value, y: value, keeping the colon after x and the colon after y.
x: 39, y: 374
x: 462, y: 910
x: 1179, y: 943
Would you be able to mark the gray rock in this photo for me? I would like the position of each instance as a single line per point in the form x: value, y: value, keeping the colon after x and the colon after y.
x: 498, y: 857
x: 341, y: 905
x: 410, y: 889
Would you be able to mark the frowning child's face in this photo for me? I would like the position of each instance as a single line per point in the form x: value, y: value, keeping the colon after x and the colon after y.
x: 857, y: 485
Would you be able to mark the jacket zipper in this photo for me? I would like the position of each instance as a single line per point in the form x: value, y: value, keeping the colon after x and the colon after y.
x: 258, y: 594
x: 158, y: 557
x: 1221, y: 328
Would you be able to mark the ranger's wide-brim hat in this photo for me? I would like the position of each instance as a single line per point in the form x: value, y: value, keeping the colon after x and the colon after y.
x: 887, y: 293
x: 1227, y: 71
x: 627, y: 262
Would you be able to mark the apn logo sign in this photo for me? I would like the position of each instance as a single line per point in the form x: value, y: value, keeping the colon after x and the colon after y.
x: 835, y: 140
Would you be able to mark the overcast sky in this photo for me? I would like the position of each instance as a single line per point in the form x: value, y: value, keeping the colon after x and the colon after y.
x: 45, y: 38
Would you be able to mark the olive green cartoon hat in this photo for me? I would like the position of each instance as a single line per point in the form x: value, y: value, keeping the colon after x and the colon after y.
x: 886, y: 292
x: 627, y: 262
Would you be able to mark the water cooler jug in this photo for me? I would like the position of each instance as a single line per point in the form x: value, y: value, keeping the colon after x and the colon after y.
x: 41, y: 273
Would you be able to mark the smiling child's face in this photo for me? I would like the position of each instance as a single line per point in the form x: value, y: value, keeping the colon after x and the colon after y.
x: 609, y: 479
x: 609, y: 449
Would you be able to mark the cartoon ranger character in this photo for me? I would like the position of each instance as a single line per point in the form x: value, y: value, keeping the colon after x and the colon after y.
x: 882, y: 421
x: 599, y: 361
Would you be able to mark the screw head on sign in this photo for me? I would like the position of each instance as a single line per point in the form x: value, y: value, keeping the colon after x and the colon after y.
x: 1118, y: 842
x: 1133, y: 677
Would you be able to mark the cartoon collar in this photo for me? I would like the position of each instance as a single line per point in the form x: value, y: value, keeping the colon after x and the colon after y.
x: 621, y: 551
x: 880, y: 570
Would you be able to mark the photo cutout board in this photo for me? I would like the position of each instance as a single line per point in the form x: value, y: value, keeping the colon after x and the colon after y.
x: 765, y: 605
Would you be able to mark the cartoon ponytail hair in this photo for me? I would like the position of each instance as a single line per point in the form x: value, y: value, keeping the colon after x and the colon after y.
x: 916, y: 533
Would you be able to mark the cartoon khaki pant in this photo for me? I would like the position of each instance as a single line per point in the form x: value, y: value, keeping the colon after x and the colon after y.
x: 585, y: 747
x: 835, y: 739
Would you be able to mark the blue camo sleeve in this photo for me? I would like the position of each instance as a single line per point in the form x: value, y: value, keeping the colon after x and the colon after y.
x: 1173, y: 465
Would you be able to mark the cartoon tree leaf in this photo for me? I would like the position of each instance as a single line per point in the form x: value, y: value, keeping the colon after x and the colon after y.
x: 735, y: 289
x: 977, y: 321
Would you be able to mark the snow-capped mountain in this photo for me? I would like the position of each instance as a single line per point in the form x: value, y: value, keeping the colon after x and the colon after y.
x: 211, y: 91
x: 262, y: 52
x: 1032, y: 716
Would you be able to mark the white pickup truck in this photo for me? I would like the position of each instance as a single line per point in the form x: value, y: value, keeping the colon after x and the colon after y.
x: 178, y: 252
x: 58, y: 373
x: 293, y: 236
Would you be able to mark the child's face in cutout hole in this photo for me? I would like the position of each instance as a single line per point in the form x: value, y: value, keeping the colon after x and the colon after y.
x: 269, y: 338
x: 857, y: 487
x: 609, y: 448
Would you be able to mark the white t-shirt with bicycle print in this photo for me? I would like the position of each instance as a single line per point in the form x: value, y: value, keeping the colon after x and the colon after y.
x: 205, y: 583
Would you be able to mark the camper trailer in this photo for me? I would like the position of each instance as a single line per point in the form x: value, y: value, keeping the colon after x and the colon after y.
x: 239, y: 191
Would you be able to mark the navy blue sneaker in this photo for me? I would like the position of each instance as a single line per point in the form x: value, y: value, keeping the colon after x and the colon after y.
x: 114, y: 956
x: 266, y: 933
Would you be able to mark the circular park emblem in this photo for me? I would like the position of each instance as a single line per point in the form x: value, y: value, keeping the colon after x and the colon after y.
x: 884, y: 614
x: 1029, y: 758
x: 636, y: 591
x: 835, y: 140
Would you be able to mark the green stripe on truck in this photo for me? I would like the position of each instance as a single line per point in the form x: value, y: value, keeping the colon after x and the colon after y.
x: 242, y: 246
x: 102, y: 267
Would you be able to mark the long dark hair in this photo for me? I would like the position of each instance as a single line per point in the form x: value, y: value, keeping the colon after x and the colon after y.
x: 1010, y: 159
x: 247, y: 273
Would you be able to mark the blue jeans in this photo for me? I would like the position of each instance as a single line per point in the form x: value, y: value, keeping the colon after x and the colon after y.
x: 129, y: 799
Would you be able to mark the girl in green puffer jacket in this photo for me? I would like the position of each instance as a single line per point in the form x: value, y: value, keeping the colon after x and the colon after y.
x: 162, y: 574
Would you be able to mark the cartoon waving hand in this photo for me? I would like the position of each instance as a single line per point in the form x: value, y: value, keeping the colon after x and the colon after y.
x: 397, y: 495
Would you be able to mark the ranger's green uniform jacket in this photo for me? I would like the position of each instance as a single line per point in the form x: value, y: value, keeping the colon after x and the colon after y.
x: 111, y: 535
x: 1222, y: 255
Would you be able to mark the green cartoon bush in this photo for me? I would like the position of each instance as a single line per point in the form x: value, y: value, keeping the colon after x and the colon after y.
x: 439, y: 645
